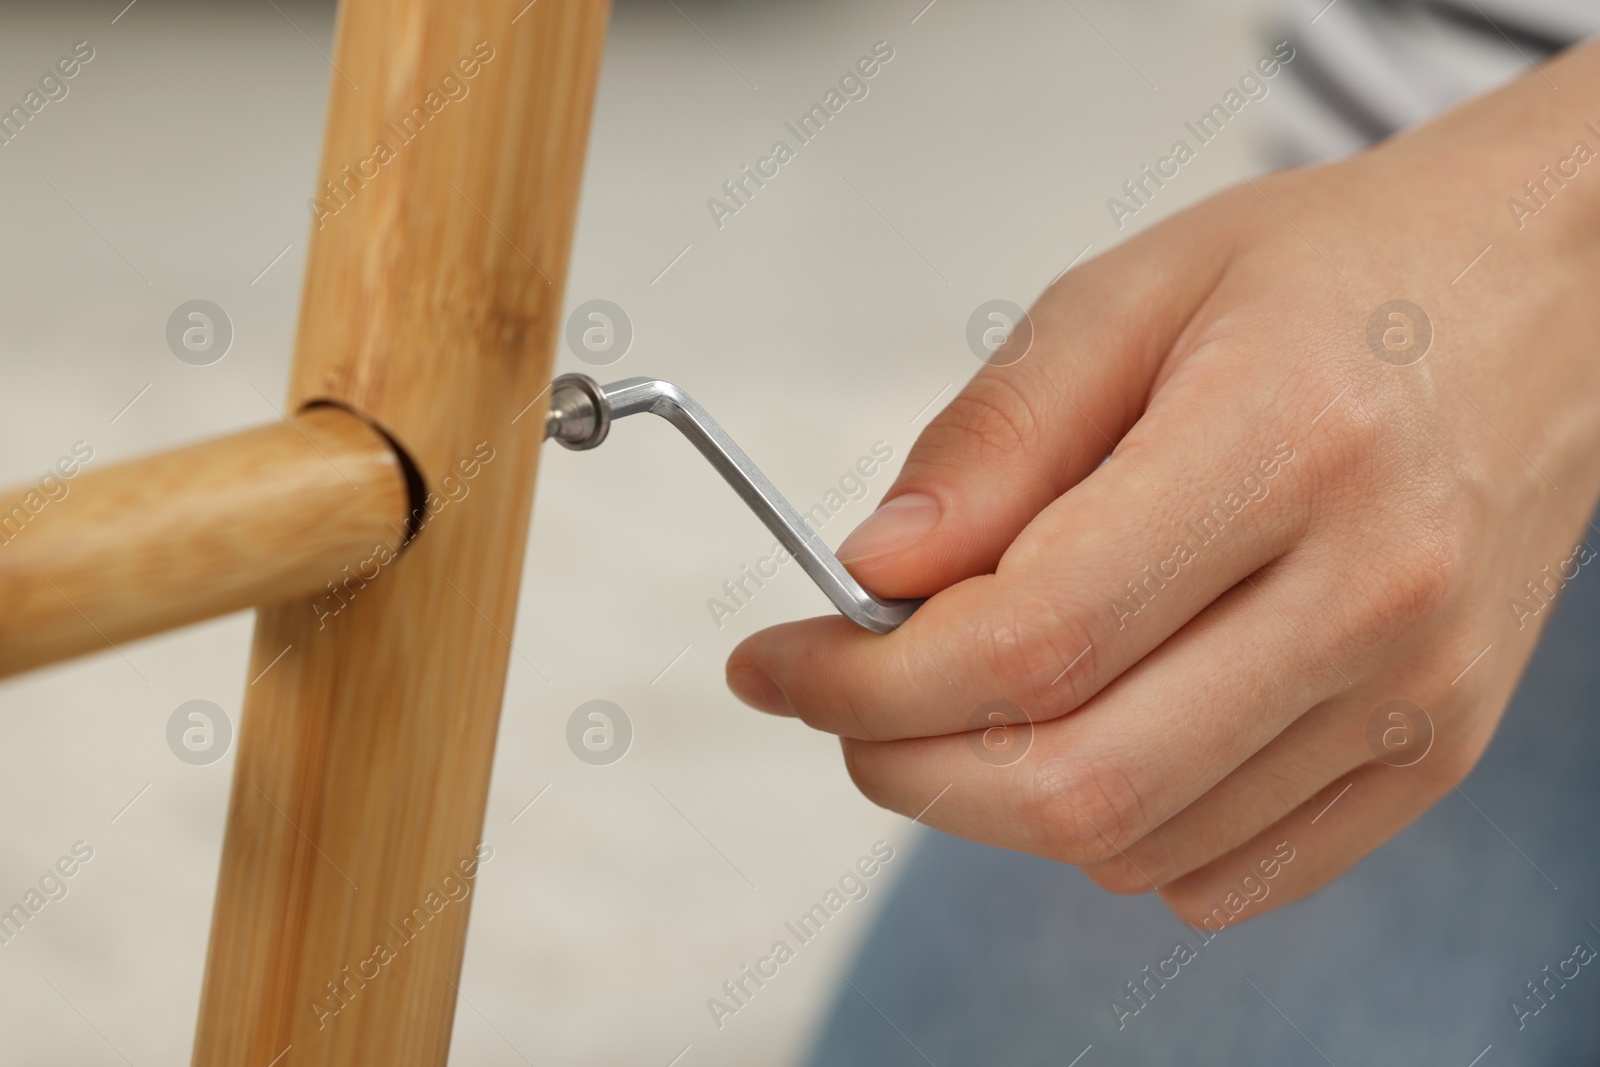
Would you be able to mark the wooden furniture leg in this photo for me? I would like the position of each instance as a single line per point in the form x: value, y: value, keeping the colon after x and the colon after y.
x: 447, y: 198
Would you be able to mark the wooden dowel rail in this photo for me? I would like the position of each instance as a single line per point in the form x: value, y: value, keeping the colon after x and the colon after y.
x: 104, y: 555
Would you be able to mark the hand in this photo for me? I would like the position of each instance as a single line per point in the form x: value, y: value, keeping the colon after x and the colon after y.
x: 1295, y: 526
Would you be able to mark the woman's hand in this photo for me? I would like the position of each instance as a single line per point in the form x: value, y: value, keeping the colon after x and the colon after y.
x: 1300, y: 522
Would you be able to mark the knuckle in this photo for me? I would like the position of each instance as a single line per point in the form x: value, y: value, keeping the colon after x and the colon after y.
x: 991, y: 416
x: 1039, y: 653
x: 1413, y: 576
x: 1356, y: 432
x: 1083, y: 813
x: 1416, y: 587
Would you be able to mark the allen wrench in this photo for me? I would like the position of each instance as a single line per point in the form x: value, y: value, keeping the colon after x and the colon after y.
x: 581, y: 413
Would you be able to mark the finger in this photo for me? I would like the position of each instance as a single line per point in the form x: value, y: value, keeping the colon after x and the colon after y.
x: 1097, y: 581
x: 1327, y: 835
x: 1018, y: 436
x: 1327, y: 743
x: 1093, y: 783
x: 1317, y: 748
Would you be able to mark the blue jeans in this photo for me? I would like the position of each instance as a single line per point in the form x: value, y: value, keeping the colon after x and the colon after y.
x: 1416, y: 956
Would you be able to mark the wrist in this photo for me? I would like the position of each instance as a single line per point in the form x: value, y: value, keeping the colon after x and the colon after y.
x: 1525, y: 158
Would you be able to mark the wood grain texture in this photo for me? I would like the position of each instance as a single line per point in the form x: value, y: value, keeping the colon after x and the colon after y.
x: 259, y: 517
x: 431, y: 306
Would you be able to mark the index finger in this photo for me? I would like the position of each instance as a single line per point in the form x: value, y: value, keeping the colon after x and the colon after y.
x: 1099, y: 579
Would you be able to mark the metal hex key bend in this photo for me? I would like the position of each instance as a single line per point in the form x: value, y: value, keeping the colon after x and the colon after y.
x: 581, y: 411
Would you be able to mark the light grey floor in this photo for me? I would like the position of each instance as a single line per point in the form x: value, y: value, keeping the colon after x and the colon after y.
x: 826, y: 316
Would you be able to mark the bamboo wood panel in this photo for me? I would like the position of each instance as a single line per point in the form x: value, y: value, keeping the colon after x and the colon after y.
x: 431, y: 305
x: 90, y: 558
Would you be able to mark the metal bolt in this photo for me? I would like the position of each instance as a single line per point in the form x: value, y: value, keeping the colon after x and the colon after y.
x: 580, y: 415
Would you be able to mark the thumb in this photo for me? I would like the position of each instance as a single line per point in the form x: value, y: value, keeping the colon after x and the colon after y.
x: 1019, y: 436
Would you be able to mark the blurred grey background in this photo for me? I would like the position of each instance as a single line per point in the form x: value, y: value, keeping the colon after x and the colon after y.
x: 828, y: 315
